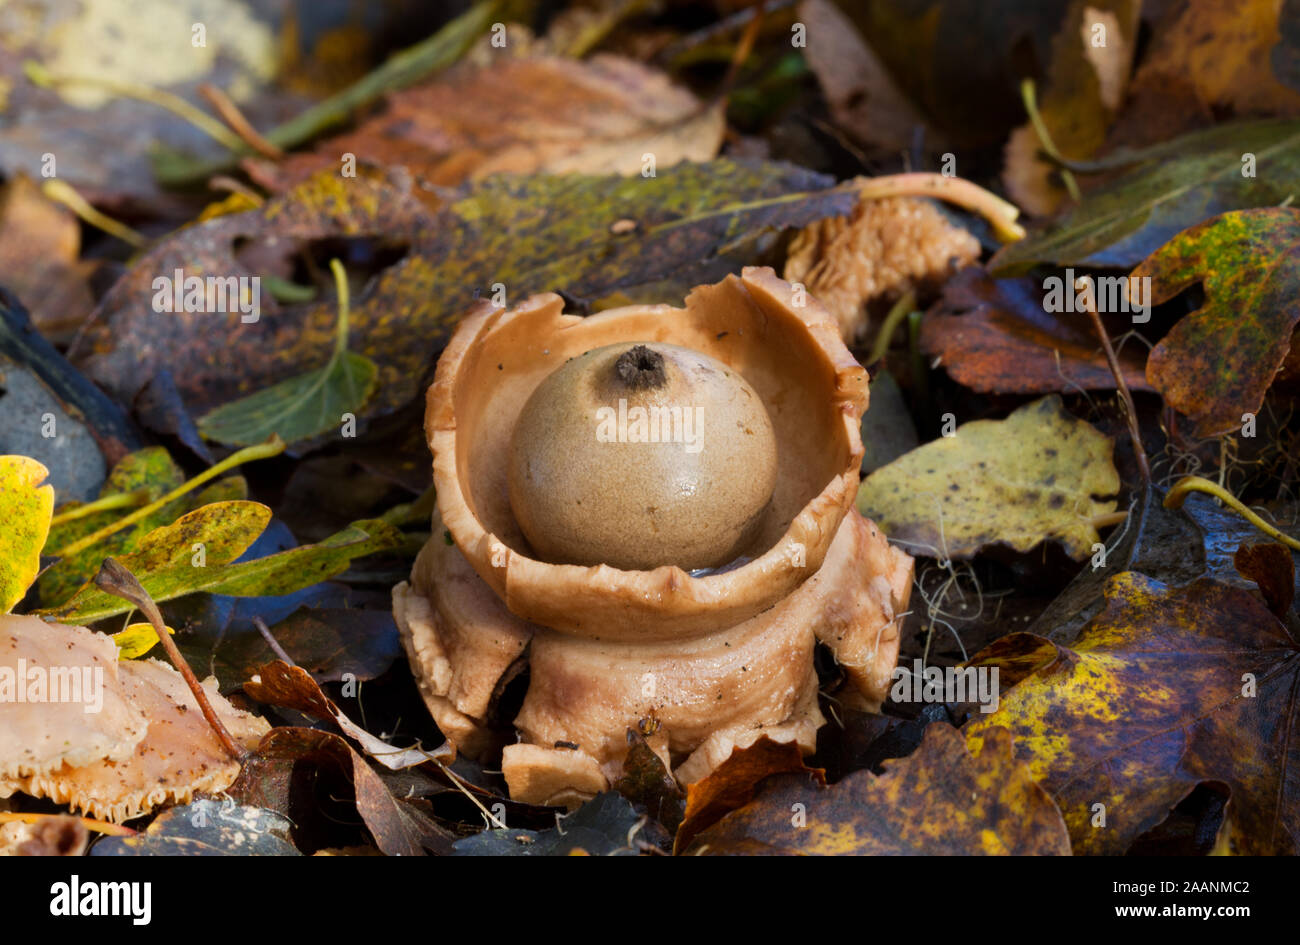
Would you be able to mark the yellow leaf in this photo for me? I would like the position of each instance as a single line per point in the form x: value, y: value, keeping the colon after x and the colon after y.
x: 26, y: 508
x: 1039, y: 474
x: 137, y: 640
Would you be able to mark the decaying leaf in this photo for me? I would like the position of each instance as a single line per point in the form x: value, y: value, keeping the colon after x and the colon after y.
x: 607, y: 825
x: 523, y: 116
x: 996, y: 336
x: 882, y: 250
x: 206, y: 828
x: 527, y: 234
x: 44, y: 835
x: 1217, y: 362
x: 942, y: 799
x: 1168, y: 188
x: 734, y: 782
x: 1091, y: 58
x: 25, y: 510
x: 1167, y: 688
x: 1270, y: 566
x: 1040, y: 474
x: 278, y: 683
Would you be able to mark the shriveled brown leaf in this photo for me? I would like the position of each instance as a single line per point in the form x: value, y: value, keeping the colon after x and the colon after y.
x: 942, y: 799
x: 278, y: 683
x: 733, y: 783
x: 1270, y: 566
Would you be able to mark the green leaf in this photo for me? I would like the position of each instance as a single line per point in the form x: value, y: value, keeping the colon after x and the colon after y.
x: 296, y: 409
x: 166, y: 568
x: 25, y: 510
x: 1170, y: 187
x: 1039, y: 474
x: 1218, y: 361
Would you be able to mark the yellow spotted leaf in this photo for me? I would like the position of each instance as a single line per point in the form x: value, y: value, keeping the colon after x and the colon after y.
x: 26, y: 507
x: 1040, y: 474
x: 137, y: 640
x: 942, y: 799
x: 1167, y: 688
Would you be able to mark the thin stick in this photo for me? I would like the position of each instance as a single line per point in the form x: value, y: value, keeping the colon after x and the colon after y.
x: 1085, y: 283
x: 1178, y: 493
x: 272, y: 447
x: 115, y: 579
x: 895, y: 317
x: 271, y: 641
x: 1030, y: 100
x: 232, y: 116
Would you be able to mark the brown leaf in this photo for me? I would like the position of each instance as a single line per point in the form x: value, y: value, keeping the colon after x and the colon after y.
x: 40, y: 242
x: 647, y: 781
x: 278, y: 683
x: 995, y: 336
x: 733, y: 783
x: 398, y: 829
x: 942, y: 799
x: 1269, y: 564
x: 523, y: 116
x: 1167, y: 688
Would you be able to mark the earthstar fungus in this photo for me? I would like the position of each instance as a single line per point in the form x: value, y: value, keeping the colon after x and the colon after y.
x: 703, y: 642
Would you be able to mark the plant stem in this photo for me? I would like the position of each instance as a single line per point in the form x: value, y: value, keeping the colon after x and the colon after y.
x: 895, y: 317
x: 241, y: 126
x: 272, y: 447
x: 62, y: 192
x: 117, y: 500
x: 1178, y: 494
x: 341, y: 330
x: 201, y: 120
x: 1085, y: 282
x: 113, y: 578
x: 1030, y: 100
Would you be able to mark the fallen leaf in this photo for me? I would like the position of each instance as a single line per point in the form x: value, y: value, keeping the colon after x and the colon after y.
x: 944, y: 799
x: 607, y: 825
x: 524, y: 116
x: 25, y: 508
x: 1217, y: 362
x: 137, y: 640
x: 164, y: 560
x: 733, y: 783
x: 647, y: 781
x: 1040, y: 474
x: 40, y: 245
x: 397, y: 828
x: 995, y: 336
x: 528, y: 234
x: 278, y: 683
x: 1269, y: 565
x: 1084, y: 89
x: 1166, y: 189
x: 206, y: 828
x: 1168, y: 688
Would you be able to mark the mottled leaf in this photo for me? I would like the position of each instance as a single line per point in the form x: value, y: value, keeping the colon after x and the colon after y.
x: 607, y: 825
x: 943, y: 799
x: 25, y: 510
x: 1217, y: 362
x: 206, y: 828
x: 1168, y: 688
x: 1040, y: 474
